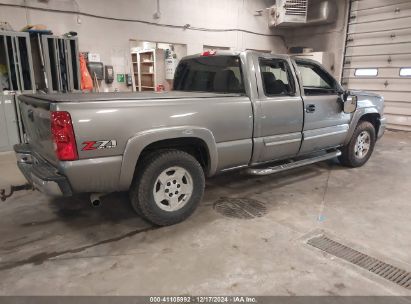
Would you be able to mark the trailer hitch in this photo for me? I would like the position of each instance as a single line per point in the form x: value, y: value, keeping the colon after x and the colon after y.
x: 4, y: 196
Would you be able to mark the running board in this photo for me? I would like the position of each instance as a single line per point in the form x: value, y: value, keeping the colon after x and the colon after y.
x: 294, y: 164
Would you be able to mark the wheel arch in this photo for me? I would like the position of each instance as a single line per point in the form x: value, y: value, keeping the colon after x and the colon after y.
x: 374, y: 119
x: 199, y: 142
x: 364, y: 114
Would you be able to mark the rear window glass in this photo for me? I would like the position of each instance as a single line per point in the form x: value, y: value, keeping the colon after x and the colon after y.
x: 220, y: 74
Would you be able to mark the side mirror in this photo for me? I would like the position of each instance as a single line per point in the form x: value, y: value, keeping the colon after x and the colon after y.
x: 350, y: 104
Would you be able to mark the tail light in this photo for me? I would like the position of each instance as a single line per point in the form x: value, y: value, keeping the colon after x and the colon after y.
x: 63, y: 136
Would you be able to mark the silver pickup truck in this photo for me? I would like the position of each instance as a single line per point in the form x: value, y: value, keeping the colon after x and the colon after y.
x: 228, y: 110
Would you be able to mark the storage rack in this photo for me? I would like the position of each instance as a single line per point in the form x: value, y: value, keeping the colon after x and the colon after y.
x: 61, y: 63
x: 30, y: 62
x: 148, y: 69
x: 15, y: 55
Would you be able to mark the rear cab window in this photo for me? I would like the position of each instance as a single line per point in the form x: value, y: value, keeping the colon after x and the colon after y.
x: 219, y: 74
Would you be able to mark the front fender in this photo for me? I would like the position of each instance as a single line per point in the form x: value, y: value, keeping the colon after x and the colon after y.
x: 360, y: 112
x: 136, y: 144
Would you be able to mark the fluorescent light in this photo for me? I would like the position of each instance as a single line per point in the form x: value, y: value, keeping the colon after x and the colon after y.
x: 404, y: 72
x: 366, y: 72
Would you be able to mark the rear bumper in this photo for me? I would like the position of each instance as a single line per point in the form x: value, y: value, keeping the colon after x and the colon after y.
x: 40, y: 173
x: 381, y: 130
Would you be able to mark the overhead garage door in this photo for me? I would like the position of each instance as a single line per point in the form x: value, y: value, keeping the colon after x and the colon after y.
x: 378, y: 55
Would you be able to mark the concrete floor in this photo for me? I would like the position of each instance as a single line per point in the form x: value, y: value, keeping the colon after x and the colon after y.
x: 65, y: 247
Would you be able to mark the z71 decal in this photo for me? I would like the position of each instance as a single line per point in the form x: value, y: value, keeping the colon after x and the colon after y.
x: 100, y: 144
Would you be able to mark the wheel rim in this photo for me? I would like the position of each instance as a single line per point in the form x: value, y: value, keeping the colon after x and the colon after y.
x: 362, y: 145
x: 173, y: 188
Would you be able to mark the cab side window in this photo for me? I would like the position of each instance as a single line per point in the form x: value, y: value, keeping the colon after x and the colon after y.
x: 315, y: 80
x: 277, y: 77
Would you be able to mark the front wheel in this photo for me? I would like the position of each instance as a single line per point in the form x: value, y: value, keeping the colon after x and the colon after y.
x: 168, y: 187
x: 358, y: 151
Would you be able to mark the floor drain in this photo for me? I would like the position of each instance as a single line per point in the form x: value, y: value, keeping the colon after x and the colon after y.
x: 242, y: 208
x: 387, y: 271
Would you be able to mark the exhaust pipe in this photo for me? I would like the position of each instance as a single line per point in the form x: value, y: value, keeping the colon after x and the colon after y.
x: 95, y: 199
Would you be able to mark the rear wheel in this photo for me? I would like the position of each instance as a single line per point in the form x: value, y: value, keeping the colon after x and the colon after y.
x: 168, y: 188
x: 358, y: 151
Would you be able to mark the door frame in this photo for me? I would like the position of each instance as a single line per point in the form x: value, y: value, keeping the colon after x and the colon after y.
x: 338, y: 130
x: 261, y: 141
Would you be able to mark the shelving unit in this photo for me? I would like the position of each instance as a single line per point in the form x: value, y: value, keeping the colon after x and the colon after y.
x: 15, y: 57
x: 135, y: 69
x: 16, y: 77
x: 148, y: 69
x: 61, y: 63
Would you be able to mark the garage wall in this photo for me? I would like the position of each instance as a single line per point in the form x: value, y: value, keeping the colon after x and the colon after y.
x: 110, y: 38
x: 379, y: 45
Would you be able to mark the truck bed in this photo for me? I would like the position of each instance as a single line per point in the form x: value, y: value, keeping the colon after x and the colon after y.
x: 93, y: 121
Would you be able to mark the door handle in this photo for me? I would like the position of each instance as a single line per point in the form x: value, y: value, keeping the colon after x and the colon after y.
x: 310, y: 108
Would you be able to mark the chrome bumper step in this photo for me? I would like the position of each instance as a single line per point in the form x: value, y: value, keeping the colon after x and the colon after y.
x: 293, y: 164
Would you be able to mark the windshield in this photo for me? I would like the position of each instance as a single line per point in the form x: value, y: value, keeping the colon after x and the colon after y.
x: 220, y: 74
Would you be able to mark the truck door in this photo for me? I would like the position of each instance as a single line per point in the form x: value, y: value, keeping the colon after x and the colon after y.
x: 279, y: 110
x: 325, y: 123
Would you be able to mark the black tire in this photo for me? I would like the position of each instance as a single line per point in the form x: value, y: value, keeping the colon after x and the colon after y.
x: 349, y: 156
x: 142, y: 189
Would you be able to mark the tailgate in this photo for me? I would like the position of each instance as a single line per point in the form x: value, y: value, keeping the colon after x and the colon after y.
x: 36, y: 122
